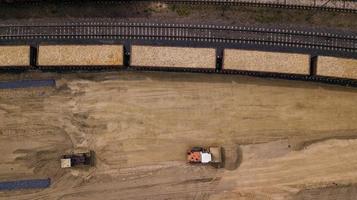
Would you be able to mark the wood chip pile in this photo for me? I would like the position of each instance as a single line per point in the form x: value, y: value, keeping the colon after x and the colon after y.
x: 337, y: 67
x: 248, y: 60
x: 14, y: 56
x: 80, y: 55
x: 150, y: 56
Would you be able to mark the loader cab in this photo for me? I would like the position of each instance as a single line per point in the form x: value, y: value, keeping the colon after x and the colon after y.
x: 77, y: 159
x: 204, y: 155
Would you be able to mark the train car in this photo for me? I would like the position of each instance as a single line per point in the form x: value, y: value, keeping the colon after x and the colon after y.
x: 336, y: 4
x: 336, y: 67
x: 15, y: 56
x: 80, y: 55
x: 173, y: 57
x: 263, y: 61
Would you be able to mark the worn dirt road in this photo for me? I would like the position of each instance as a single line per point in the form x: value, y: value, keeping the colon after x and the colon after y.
x: 282, y: 139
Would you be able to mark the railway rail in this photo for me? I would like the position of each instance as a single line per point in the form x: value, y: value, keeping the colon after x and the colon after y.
x: 213, y: 34
x: 182, y: 32
x: 349, y: 6
x: 327, y: 5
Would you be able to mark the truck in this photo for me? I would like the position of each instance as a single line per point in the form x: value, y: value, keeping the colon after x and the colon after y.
x: 77, y: 159
x: 210, y: 155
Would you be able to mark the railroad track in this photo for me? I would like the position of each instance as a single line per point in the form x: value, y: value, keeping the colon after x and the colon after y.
x: 222, y: 35
x: 349, y: 6
x: 327, y: 5
x: 182, y: 32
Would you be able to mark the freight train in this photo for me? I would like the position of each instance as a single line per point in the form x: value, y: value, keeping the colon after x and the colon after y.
x: 169, y: 58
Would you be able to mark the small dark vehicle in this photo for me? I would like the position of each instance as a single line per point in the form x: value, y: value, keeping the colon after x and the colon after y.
x: 77, y: 159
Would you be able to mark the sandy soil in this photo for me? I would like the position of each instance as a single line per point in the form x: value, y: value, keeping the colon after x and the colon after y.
x: 282, y: 139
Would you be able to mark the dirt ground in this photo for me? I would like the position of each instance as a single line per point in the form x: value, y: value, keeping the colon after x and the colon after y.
x: 282, y: 139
